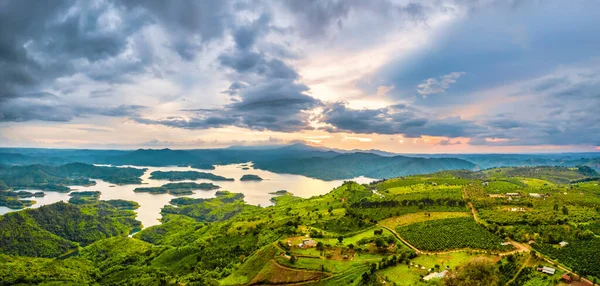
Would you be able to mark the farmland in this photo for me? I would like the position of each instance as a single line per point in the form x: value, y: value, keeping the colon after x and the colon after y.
x: 451, y: 233
x: 356, y: 234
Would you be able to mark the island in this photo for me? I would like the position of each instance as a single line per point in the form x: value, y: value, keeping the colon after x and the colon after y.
x: 186, y: 175
x: 177, y: 189
x: 84, y: 197
x: 12, y: 199
x: 280, y: 193
x: 202, y: 166
x: 250, y: 177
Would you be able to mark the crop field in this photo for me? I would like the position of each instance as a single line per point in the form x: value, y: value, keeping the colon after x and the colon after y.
x: 419, y: 188
x: 451, y: 233
x: 581, y: 255
x: 407, y: 219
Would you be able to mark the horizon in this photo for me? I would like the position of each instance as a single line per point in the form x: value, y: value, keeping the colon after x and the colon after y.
x: 323, y: 148
x: 428, y: 77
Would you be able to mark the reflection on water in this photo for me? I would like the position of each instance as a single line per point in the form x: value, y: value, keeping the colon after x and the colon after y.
x: 255, y: 192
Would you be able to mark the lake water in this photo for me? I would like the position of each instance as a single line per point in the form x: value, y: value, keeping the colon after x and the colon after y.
x: 255, y: 192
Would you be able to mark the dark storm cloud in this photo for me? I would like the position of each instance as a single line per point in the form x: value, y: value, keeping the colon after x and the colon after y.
x: 276, y: 105
x: 48, y: 107
x: 190, y: 23
x: 314, y: 18
x: 398, y: 119
x: 264, y: 89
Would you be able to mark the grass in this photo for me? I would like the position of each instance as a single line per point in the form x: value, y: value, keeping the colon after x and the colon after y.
x: 317, y: 264
x: 251, y: 267
x: 273, y: 273
x: 403, y: 274
x: 407, y: 219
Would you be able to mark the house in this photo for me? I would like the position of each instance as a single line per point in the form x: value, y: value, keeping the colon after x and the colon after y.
x: 565, y: 277
x: 435, y: 275
x: 306, y: 243
x: 512, y: 194
x: 485, y: 183
x: 547, y: 270
x: 563, y: 243
x: 535, y: 195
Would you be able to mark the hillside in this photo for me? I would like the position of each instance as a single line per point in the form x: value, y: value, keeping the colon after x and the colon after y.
x: 349, y: 236
x: 50, y: 231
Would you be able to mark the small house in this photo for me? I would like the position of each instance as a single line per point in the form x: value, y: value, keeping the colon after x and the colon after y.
x: 547, y: 270
x: 485, y: 183
x: 435, y: 275
x: 306, y: 243
x: 535, y: 195
x: 563, y: 243
x: 512, y: 194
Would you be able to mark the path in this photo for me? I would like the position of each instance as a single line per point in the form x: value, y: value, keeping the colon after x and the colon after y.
x: 519, y: 272
x: 523, y: 247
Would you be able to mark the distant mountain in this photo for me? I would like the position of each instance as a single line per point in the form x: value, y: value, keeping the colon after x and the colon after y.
x: 352, y: 165
x: 314, y: 161
x: 486, y: 161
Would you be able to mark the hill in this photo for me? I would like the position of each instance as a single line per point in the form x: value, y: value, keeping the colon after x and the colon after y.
x: 362, y: 164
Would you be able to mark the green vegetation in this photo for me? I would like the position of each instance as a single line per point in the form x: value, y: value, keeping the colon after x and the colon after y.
x: 13, y: 199
x: 352, y: 235
x: 451, y: 233
x: 250, y: 177
x: 85, y: 197
x: 186, y: 175
x: 57, y: 178
x: 50, y: 231
x: 178, y: 189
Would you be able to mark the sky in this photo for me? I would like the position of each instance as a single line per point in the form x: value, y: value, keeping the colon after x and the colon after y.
x: 441, y: 76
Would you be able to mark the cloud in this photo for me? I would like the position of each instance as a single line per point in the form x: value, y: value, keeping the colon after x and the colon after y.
x: 438, y: 85
x: 395, y: 119
x: 191, y: 24
x: 48, y: 107
x: 384, y: 90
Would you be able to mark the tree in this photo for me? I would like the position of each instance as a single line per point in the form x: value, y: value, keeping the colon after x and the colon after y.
x: 293, y: 259
x: 474, y: 273
x: 320, y: 246
x: 565, y: 210
x: 555, y: 207
x: 340, y: 239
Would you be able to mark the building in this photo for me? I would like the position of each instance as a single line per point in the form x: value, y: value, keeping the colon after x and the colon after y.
x: 485, y: 183
x: 306, y: 243
x: 563, y: 243
x: 535, y: 195
x: 565, y: 277
x: 512, y: 194
x: 435, y: 275
x: 547, y: 270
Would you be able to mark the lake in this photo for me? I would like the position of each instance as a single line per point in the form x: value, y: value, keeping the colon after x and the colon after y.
x: 255, y: 192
